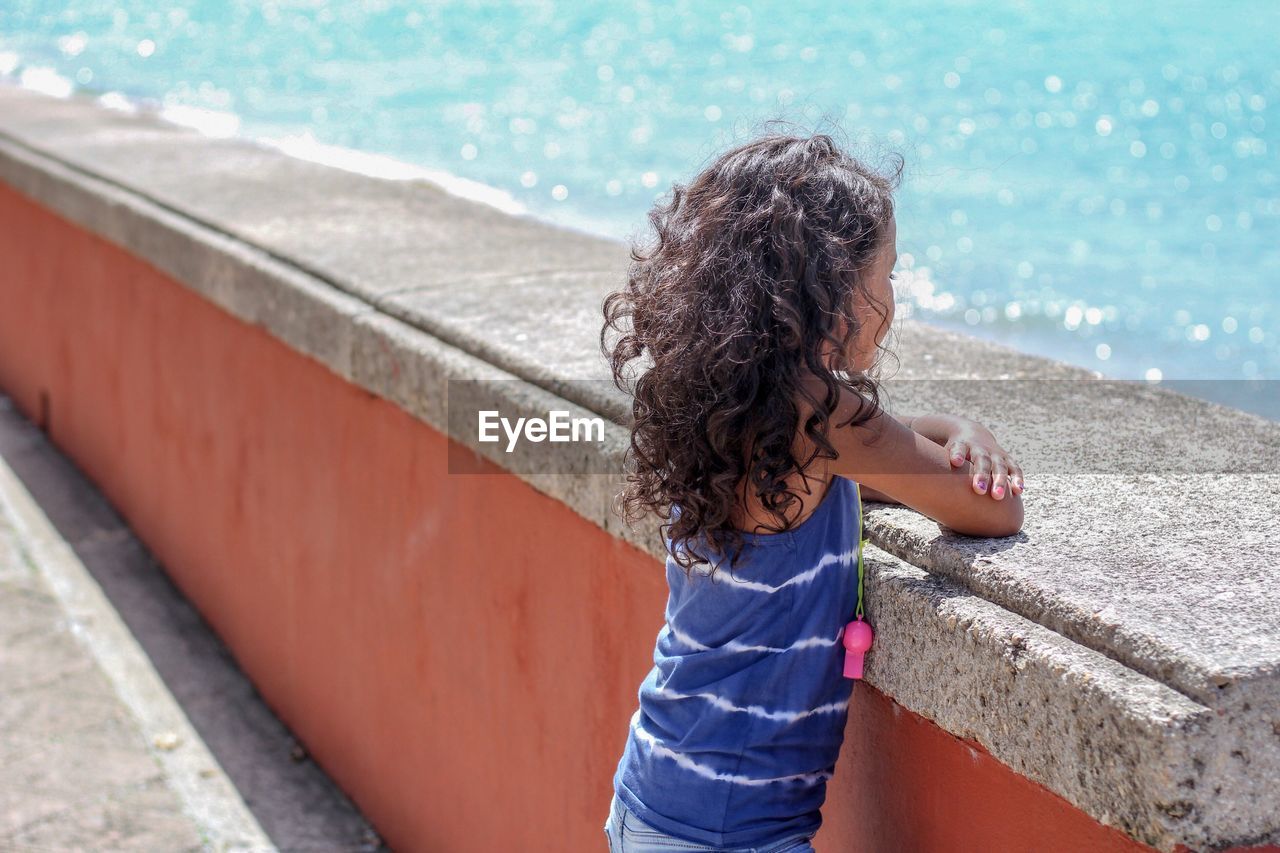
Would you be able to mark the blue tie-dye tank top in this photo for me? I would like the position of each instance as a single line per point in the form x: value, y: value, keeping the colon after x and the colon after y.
x: 742, y: 717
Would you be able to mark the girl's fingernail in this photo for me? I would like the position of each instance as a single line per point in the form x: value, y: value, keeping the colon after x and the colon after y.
x: 957, y: 459
x: 982, y: 485
x: 998, y: 491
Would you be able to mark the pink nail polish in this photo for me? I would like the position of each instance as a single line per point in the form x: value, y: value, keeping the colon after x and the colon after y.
x: 998, y: 491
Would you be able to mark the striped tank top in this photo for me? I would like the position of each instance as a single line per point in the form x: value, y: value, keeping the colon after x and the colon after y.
x: 742, y: 717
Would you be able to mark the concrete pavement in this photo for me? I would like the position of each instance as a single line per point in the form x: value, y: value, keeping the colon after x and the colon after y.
x: 124, y: 723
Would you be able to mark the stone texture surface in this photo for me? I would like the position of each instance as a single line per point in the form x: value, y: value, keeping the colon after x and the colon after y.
x: 1117, y: 744
x: 1149, y: 549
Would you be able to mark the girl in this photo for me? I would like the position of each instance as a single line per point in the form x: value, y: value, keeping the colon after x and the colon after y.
x: 759, y: 313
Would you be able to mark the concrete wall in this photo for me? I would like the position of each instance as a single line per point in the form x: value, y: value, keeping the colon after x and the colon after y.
x: 462, y: 652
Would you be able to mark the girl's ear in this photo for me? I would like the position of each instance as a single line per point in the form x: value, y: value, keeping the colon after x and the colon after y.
x: 848, y: 360
x: 829, y: 352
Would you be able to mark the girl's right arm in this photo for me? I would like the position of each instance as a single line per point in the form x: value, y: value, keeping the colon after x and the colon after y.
x: 871, y: 494
x: 885, y: 456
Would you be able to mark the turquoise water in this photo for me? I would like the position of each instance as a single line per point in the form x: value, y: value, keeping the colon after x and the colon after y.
x: 1093, y: 182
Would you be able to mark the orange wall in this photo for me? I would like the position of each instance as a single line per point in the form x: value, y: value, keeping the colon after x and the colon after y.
x: 461, y: 653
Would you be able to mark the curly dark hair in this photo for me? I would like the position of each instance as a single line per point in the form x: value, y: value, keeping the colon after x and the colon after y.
x: 755, y: 262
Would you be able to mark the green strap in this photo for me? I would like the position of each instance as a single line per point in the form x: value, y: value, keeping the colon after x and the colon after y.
x: 861, y: 542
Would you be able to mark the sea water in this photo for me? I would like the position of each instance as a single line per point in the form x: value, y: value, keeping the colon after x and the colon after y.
x: 1096, y: 182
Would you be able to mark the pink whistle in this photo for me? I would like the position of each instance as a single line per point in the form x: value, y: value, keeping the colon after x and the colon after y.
x: 857, y: 640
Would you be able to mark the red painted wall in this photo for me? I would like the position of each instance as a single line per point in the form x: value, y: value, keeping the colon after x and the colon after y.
x: 461, y: 653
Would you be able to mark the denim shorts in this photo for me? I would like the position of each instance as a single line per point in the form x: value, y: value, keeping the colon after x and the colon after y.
x: 628, y: 834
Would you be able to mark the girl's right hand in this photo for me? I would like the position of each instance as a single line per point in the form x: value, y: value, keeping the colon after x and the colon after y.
x: 918, y: 472
x: 992, y: 465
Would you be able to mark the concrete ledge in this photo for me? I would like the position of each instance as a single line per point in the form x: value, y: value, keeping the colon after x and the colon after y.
x: 1123, y: 651
x: 1121, y: 746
